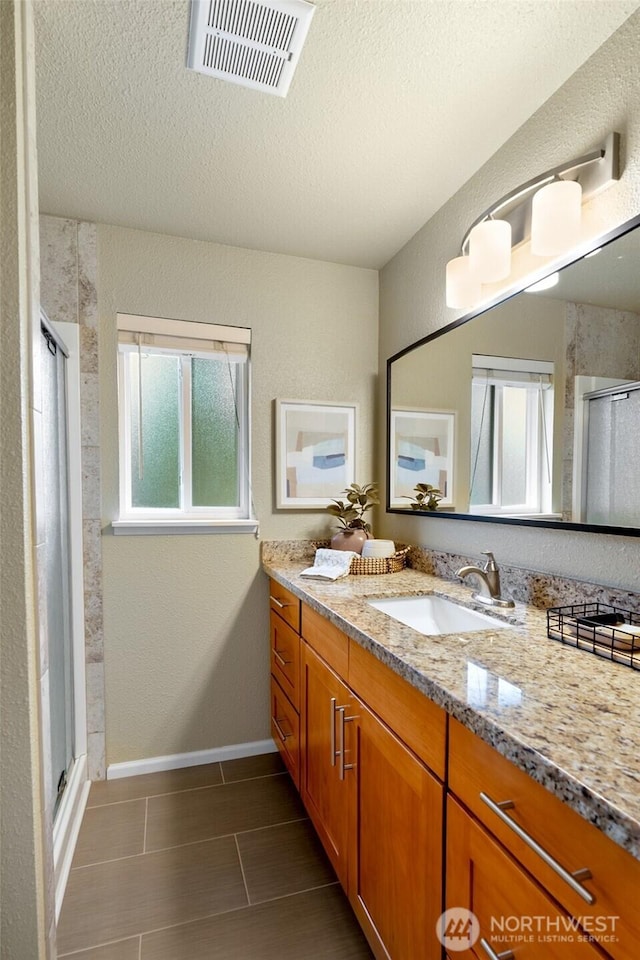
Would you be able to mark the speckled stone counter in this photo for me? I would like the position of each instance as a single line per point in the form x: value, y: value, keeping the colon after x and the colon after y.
x: 569, y: 719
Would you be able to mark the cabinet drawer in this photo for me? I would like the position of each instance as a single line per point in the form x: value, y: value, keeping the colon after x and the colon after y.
x: 475, y: 768
x: 412, y: 716
x: 285, y: 657
x: 327, y: 640
x: 285, y: 603
x: 513, y: 911
x: 285, y: 728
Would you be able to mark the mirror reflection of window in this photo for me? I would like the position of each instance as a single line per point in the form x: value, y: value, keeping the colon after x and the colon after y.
x: 511, y: 417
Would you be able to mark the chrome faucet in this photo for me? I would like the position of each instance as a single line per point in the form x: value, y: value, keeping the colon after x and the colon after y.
x: 489, y: 591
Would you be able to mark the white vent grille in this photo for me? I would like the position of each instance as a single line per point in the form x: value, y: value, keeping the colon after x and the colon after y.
x: 255, y: 43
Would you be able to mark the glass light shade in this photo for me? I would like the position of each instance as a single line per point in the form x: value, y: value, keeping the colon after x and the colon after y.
x: 556, y: 213
x: 463, y: 288
x: 490, y: 250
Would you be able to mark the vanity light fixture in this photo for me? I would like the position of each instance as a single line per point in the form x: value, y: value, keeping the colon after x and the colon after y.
x: 546, y: 209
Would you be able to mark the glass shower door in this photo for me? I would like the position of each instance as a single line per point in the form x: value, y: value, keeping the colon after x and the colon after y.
x: 57, y: 563
x: 613, y: 457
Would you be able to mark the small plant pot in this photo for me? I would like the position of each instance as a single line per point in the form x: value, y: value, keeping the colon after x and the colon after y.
x: 350, y: 540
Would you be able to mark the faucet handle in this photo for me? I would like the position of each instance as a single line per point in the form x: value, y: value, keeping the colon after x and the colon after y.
x: 490, y: 566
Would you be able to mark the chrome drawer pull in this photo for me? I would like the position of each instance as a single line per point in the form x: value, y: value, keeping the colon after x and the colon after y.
x: 571, y: 878
x: 283, y: 736
x: 343, y: 719
x: 280, y: 658
x: 279, y: 603
x: 333, y: 731
x: 490, y: 952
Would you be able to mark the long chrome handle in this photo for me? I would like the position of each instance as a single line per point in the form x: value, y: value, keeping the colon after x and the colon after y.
x: 490, y: 952
x: 283, y: 736
x: 279, y: 603
x: 280, y: 658
x: 343, y: 719
x: 571, y: 878
x: 333, y: 731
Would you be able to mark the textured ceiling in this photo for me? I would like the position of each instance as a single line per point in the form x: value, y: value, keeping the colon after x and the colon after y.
x: 395, y: 104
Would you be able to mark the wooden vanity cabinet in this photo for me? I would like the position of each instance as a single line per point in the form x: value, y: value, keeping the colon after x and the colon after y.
x: 371, y: 756
x: 490, y: 785
x: 284, y: 636
x: 325, y: 793
x: 376, y: 806
x: 395, y: 862
x: 517, y: 919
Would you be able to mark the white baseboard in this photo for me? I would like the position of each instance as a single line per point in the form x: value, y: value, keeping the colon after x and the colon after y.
x: 67, y: 826
x: 175, y: 761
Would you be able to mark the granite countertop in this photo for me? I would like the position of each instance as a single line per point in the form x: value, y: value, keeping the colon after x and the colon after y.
x: 568, y: 718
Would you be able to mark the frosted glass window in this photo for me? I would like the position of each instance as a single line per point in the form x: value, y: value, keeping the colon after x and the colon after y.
x: 514, y: 446
x: 215, y: 433
x: 510, y: 462
x: 155, y: 423
x: 184, y: 433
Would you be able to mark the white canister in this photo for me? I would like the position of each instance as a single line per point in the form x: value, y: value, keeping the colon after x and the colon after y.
x: 378, y: 548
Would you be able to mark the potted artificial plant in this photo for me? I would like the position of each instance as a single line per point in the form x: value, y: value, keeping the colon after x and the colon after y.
x: 426, y: 497
x: 354, y: 530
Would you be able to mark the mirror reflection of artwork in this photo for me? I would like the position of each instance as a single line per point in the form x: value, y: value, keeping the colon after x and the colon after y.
x: 315, y: 452
x: 422, y: 452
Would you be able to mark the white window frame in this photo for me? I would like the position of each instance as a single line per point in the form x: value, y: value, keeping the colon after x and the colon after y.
x: 538, y: 482
x: 188, y: 518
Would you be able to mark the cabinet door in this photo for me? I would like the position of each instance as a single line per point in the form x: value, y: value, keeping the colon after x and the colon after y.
x: 516, y: 917
x: 395, y: 869
x: 324, y: 793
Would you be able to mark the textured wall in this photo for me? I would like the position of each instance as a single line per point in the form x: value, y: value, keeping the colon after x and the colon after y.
x: 602, y: 95
x: 185, y: 616
x: 26, y: 895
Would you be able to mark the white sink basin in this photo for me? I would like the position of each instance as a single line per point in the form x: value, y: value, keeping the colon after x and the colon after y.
x: 434, y: 615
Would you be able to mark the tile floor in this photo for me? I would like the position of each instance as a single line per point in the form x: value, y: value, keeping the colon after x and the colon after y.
x: 217, y: 862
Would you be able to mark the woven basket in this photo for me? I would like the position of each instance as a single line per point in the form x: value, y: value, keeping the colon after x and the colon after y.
x: 370, y: 565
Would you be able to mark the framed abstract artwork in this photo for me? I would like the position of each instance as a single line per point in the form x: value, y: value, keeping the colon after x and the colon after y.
x: 315, y: 452
x: 422, y: 451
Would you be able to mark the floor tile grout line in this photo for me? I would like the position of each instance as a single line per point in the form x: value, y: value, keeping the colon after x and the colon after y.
x: 146, y: 819
x: 208, y: 916
x: 189, y: 843
x: 171, y: 793
x: 244, y: 879
x: 115, y: 803
x: 140, y: 947
x: 105, y: 943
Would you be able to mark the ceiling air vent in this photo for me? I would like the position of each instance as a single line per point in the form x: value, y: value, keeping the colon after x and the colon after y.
x: 255, y: 43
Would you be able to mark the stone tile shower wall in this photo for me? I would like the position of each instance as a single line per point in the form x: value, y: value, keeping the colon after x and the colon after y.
x: 68, y: 269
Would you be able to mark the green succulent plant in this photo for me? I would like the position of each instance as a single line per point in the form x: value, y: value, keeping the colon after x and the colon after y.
x: 350, y: 513
x: 426, y: 497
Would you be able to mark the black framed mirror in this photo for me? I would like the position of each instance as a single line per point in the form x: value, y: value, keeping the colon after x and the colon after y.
x: 528, y: 411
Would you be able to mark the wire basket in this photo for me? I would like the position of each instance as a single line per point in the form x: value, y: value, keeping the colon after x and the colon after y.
x: 600, y: 628
x: 370, y: 565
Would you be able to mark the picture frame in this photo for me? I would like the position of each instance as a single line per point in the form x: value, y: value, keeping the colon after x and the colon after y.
x: 315, y: 452
x: 422, y: 451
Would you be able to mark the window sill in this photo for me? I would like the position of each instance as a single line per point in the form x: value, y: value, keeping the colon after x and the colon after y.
x: 162, y: 527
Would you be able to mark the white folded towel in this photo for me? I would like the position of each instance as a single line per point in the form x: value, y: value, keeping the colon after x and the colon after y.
x: 330, y: 564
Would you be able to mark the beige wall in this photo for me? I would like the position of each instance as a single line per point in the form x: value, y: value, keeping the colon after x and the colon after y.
x: 603, y: 95
x: 185, y: 617
x: 26, y: 892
